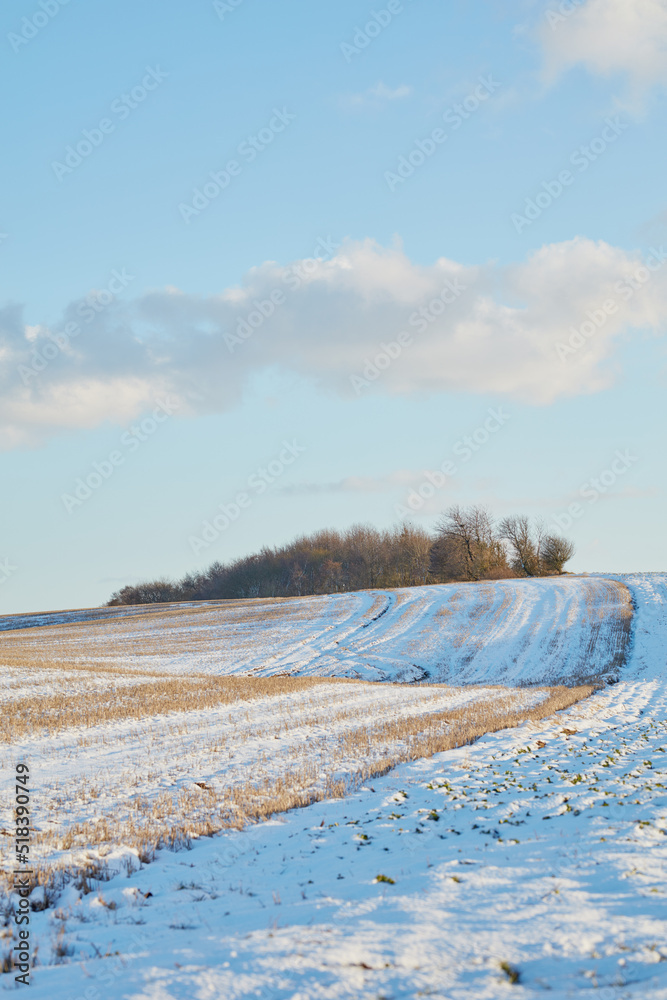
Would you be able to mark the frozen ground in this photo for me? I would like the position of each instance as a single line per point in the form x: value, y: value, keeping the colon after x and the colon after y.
x: 543, y: 631
x: 129, y: 774
x: 541, y: 849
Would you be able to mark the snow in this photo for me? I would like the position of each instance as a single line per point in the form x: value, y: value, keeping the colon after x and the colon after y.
x: 542, y: 631
x: 100, y: 771
x: 546, y: 857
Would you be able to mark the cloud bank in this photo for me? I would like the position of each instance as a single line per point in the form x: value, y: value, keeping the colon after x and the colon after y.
x: 537, y: 330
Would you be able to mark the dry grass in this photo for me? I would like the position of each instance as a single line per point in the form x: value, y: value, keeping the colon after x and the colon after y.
x: 428, y: 734
x: 116, y: 634
x: 142, y: 759
x: 348, y: 751
x: 51, y: 713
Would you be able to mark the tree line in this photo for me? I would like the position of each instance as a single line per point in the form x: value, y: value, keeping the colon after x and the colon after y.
x: 467, y: 545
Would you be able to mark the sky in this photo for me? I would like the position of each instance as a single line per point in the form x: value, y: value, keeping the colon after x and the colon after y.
x: 268, y: 268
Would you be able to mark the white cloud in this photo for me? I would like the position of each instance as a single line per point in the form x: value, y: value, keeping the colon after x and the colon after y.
x: 499, y: 334
x: 608, y: 37
x: 359, y: 484
x: 386, y: 93
x: 378, y: 94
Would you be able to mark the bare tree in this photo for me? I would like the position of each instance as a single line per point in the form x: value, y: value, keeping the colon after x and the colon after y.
x: 524, y: 547
x: 150, y: 592
x: 411, y: 548
x: 466, y: 547
x: 297, y: 579
x: 448, y: 559
x: 555, y: 552
x: 471, y: 537
x: 331, y: 576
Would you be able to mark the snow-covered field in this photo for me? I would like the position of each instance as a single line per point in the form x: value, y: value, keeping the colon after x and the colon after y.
x: 544, y: 631
x: 530, y: 863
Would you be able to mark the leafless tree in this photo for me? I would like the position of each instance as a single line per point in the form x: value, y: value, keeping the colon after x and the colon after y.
x: 297, y: 579
x: 524, y: 547
x: 466, y: 547
x: 470, y: 537
x: 448, y: 559
x: 556, y: 551
x: 411, y: 548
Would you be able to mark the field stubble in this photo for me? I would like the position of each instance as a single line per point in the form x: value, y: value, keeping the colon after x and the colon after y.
x: 232, y: 751
x: 131, y: 757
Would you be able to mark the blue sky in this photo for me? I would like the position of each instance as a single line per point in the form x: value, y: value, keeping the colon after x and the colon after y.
x: 165, y: 335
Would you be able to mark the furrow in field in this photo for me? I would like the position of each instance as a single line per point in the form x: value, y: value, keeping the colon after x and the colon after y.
x: 514, y: 631
x: 509, y: 631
